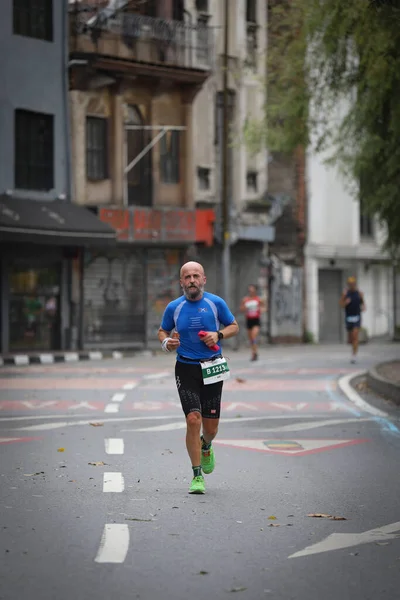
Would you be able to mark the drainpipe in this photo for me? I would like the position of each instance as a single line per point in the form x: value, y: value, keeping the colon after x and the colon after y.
x: 190, y: 18
x: 67, y: 136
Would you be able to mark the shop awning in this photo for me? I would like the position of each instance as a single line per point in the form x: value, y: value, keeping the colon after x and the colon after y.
x: 54, y: 222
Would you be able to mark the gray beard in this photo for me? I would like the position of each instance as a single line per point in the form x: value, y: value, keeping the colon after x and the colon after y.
x: 194, y: 293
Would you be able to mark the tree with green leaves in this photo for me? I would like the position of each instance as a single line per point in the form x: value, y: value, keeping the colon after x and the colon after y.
x: 325, y: 54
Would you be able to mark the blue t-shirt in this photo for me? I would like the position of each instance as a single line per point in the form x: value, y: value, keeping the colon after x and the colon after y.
x: 188, y: 317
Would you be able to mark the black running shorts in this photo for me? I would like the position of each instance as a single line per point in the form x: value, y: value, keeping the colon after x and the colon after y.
x: 255, y: 322
x: 194, y: 395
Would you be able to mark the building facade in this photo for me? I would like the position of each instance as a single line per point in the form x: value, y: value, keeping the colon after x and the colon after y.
x: 135, y: 71
x: 247, y: 173
x: 35, y: 199
x: 342, y: 241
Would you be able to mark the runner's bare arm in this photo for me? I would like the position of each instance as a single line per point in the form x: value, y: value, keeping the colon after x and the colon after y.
x: 363, y: 305
x: 263, y: 306
x: 343, y: 301
x: 242, y: 305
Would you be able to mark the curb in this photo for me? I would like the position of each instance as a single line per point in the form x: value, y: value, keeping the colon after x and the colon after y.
x: 42, y: 358
x: 383, y: 386
x: 347, y: 389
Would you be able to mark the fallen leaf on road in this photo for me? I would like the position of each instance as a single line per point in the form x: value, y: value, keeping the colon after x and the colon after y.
x: 382, y: 543
x: 96, y: 424
x: 325, y: 516
x: 60, y: 449
x: 33, y: 474
x: 240, y: 380
x: 272, y: 518
x: 239, y: 521
x: 238, y: 589
x: 273, y: 525
x: 97, y: 464
x: 140, y: 520
x: 203, y: 573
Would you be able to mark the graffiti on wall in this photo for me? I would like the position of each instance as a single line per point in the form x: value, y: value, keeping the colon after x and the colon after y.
x: 286, y: 302
x: 113, y: 298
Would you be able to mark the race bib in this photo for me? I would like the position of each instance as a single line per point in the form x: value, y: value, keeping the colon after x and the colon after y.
x: 352, y: 319
x: 215, y: 370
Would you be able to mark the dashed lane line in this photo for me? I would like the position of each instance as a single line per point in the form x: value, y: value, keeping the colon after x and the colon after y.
x: 111, y: 408
x: 118, y: 397
x: 114, y: 544
x: 114, y: 445
x: 113, y: 483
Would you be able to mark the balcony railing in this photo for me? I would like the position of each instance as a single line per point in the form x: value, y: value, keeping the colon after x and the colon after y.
x: 94, y: 28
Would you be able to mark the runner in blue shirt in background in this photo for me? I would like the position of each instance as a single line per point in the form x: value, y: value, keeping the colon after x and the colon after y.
x: 352, y: 300
x: 200, y: 368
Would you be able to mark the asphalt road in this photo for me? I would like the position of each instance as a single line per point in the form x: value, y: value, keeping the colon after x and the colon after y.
x: 290, y: 445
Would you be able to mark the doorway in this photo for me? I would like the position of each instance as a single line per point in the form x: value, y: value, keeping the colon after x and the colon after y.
x: 34, y: 307
x: 330, y: 313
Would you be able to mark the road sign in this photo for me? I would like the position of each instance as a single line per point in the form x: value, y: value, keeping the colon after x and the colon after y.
x: 289, y: 447
x: 337, y: 541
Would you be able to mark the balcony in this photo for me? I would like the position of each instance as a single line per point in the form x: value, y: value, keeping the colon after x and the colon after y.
x: 138, y: 41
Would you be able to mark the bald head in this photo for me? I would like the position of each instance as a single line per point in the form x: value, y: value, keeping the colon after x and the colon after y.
x: 192, y: 265
x: 192, y: 280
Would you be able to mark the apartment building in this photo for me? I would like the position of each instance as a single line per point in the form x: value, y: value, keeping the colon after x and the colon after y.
x: 247, y: 174
x: 135, y: 70
x: 40, y: 229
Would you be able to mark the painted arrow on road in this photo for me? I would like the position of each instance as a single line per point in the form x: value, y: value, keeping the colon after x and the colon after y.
x: 337, y: 541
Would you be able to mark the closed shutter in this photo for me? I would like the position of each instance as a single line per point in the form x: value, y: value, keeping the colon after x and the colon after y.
x: 114, y: 299
x: 162, y: 287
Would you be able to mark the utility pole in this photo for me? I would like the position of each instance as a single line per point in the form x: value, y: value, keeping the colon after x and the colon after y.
x: 226, y: 256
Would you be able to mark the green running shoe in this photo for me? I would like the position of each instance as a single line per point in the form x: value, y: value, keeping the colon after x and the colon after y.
x: 208, y: 461
x: 197, y: 486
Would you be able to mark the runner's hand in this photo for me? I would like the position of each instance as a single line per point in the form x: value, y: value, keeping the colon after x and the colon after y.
x: 210, y: 339
x: 173, y: 344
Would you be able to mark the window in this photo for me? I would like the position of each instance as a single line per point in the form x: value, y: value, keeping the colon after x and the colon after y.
x: 34, y: 18
x: 251, y: 11
x: 251, y: 43
x: 169, y: 157
x: 96, y: 148
x: 34, y: 151
x: 252, y: 181
x: 203, y: 175
x: 366, y: 226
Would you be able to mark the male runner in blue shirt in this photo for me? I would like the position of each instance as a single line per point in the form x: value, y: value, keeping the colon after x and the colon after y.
x: 190, y: 314
x: 352, y: 300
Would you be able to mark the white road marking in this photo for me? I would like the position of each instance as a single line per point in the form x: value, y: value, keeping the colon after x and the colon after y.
x: 113, y: 482
x: 314, y: 425
x: 337, y: 541
x: 95, y: 355
x: 114, y: 544
x: 157, y: 375
x: 116, y: 355
x: 118, y: 397
x: 111, y: 408
x: 114, y: 445
x: 166, y: 427
x: 59, y: 425
x: 130, y: 386
x: 353, y: 396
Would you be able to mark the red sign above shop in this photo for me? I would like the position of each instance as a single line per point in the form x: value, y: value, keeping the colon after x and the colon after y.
x: 151, y: 225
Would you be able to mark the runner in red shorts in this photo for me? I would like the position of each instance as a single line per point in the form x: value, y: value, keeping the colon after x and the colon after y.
x: 253, y: 306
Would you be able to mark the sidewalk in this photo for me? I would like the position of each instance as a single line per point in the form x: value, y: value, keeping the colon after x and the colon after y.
x: 384, y: 379
x: 46, y: 358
